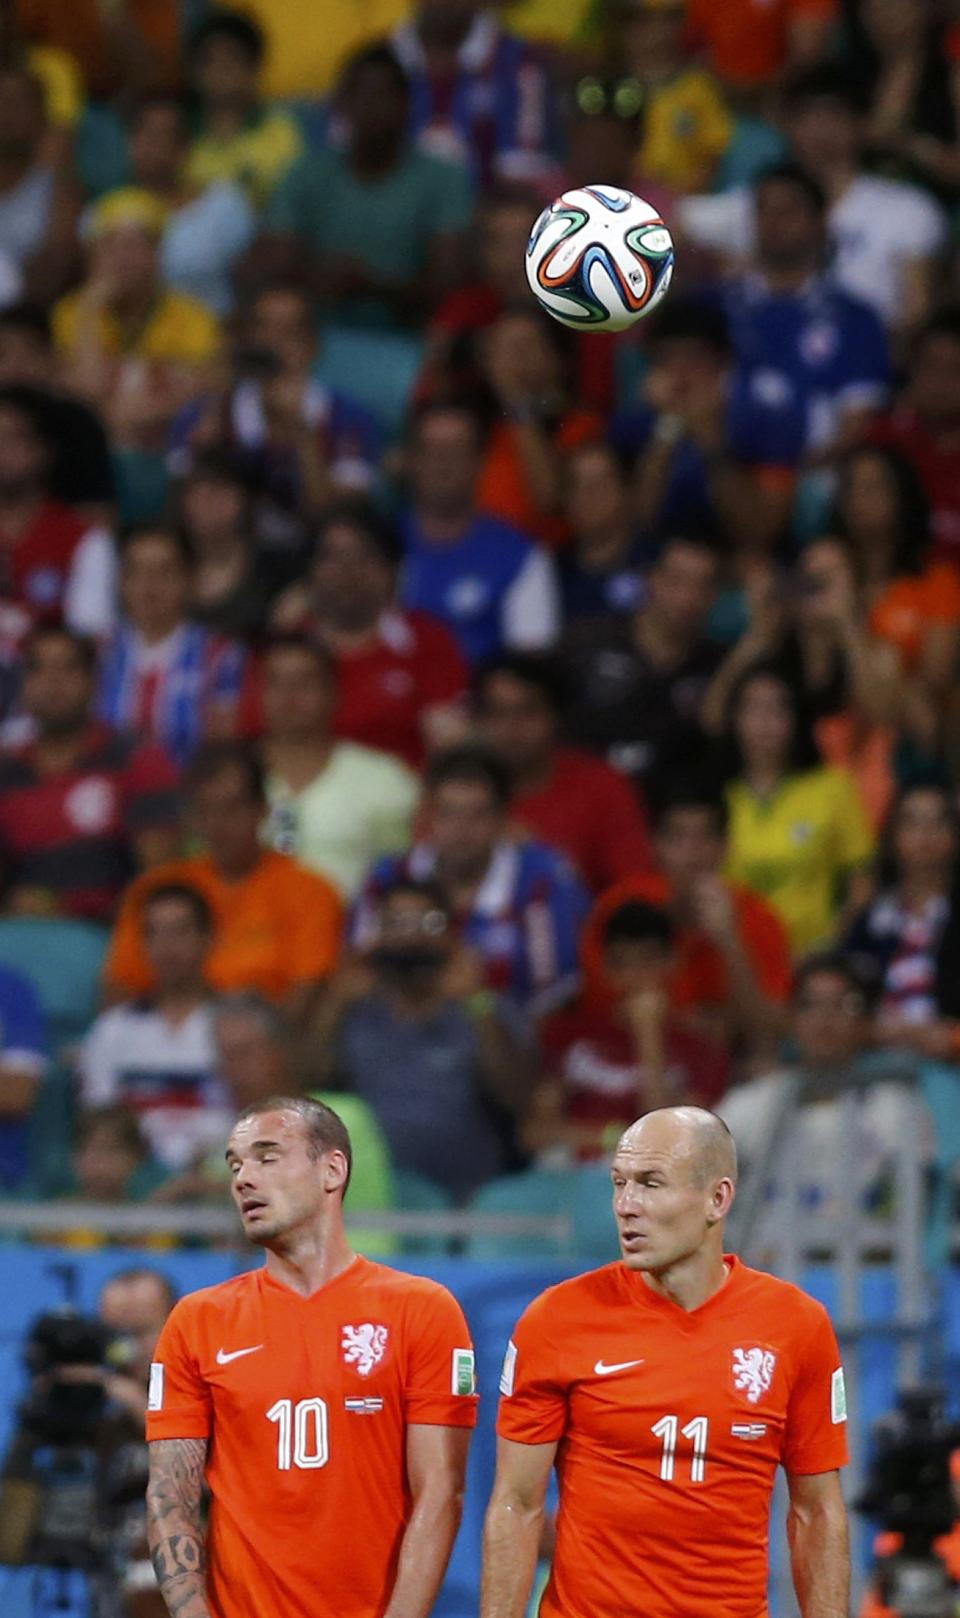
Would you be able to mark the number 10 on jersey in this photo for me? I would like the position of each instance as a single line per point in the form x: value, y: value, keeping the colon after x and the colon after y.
x: 697, y: 1431
x: 302, y: 1433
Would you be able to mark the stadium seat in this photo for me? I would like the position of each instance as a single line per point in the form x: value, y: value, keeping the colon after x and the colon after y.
x: 372, y: 1181
x: 940, y: 1089
x: 377, y: 369
x: 537, y: 1191
x: 594, y: 1231
x: 582, y: 1194
x: 755, y: 145
x: 414, y: 1193
x: 50, y: 1138
x: 63, y: 960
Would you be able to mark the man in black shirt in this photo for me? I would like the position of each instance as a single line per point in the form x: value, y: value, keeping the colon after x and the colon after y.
x: 638, y: 685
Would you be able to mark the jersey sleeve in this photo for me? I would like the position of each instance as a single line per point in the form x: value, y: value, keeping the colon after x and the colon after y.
x: 815, y: 1432
x: 441, y: 1383
x: 533, y: 1399
x: 178, y: 1401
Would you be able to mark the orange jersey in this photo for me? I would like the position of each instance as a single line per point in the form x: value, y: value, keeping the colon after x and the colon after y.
x: 275, y: 929
x: 306, y: 1402
x: 671, y: 1425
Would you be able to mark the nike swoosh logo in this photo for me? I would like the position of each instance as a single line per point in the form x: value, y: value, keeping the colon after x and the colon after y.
x: 601, y: 1369
x: 236, y: 1354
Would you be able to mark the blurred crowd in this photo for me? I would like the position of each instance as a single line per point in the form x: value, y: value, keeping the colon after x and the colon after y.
x: 504, y: 728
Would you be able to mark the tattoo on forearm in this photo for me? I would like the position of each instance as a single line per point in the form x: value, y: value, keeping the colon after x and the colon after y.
x: 174, y: 1524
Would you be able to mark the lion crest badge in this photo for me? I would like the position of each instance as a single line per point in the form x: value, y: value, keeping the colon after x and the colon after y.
x: 753, y: 1370
x: 364, y: 1346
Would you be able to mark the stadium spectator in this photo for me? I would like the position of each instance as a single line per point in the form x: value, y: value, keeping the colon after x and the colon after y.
x: 110, y: 1162
x: 899, y: 58
x: 798, y: 831
x: 601, y: 571
x: 479, y: 96
x: 411, y: 1028
x: 133, y: 1306
x: 297, y: 441
x: 255, y: 1060
x: 236, y: 573
x: 130, y: 52
x: 335, y: 805
x: 717, y: 448
x: 750, y: 47
x: 518, y: 905
x: 896, y: 941
x: 400, y: 676
x: 924, y: 423
x: 39, y: 205
x: 304, y: 62
x: 382, y: 221
x: 687, y: 125
x: 80, y: 472
x: 81, y: 807
x: 493, y: 282
x: 483, y: 578
x: 883, y: 515
x: 560, y: 795
x: 731, y: 973
x: 239, y: 138
x: 156, y: 1056
x: 209, y: 224
x: 132, y: 347
x: 830, y: 1124
x: 23, y: 1063
x: 608, y: 1063
x: 814, y: 626
x: 526, y: 367
x: 636, y: 686
x: 54, y: 561
x: 134, y: 1303
x: 814, y: 345
x: 254, y: 1049
x: 885, y: 236
x: 277, y: 925
x: 161, y: 676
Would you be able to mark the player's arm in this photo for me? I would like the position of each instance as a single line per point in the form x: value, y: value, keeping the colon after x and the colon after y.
x: 175, y: 1530
x: 819, y: 1545
x: 436, y: 1471
x: 514, y: 1520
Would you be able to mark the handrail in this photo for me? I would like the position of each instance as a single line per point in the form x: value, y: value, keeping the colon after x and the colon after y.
x: 200, y: 1219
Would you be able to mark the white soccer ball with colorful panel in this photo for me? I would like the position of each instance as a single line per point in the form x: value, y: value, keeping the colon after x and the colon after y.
x: 599, y: 258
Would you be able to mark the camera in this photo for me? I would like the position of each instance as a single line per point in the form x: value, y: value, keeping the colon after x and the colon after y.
x: 909, y: 1494
x: 51, y: 1480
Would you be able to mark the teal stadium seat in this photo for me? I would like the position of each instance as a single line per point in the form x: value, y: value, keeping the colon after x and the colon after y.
x: 376, y: 368
x: 581, y: 1194
x: 416, y: 1194
x: 63, y: 960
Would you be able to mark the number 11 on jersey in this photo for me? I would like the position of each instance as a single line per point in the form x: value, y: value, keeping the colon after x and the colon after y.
x: 697, y: 1431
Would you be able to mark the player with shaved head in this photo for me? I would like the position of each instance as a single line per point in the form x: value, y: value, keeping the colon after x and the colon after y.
x: 666, y: 1389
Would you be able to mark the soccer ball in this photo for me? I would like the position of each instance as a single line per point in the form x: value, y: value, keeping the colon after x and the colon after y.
x: 599, y: 257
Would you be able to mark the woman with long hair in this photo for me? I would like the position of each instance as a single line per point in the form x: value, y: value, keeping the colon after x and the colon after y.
x: 898, y: 937
x: 883, y: 515
x: 798, y: 834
